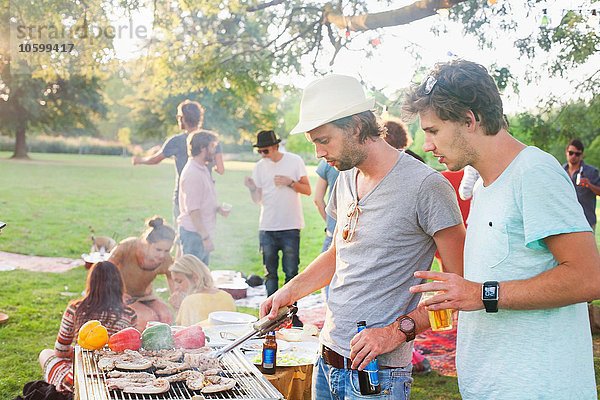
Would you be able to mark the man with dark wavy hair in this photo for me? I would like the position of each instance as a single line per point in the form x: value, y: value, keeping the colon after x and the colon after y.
x: 530, y: 260
x: 391, y: 211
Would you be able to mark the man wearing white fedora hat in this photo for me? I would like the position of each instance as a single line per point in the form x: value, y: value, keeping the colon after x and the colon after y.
x: 392, y: 212
x: 277, y: 182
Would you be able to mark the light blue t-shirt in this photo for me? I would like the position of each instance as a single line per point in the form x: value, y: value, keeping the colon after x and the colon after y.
x: 523, y: 354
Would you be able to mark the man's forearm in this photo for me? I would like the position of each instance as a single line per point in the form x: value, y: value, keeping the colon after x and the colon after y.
x: 576, y: 278
x: 320, y: 204
x: 595, y: 189
x: 302, y: 188
x: 256, y: 195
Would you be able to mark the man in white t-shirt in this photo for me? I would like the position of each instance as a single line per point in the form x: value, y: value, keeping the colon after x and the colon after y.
x: 277, y: 181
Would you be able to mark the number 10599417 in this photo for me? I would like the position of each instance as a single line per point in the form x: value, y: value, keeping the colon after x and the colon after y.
x: 46, y: 47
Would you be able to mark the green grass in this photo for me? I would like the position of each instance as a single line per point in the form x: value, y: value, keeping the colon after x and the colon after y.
x: 50, y: 203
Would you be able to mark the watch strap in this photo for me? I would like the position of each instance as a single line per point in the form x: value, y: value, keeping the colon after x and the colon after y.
x: 411, y: 333
x: 491, y: 305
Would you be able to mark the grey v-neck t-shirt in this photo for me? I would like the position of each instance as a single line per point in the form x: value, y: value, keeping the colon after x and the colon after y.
x: 392, y: 240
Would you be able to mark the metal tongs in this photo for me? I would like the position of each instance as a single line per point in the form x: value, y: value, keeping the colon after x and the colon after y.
x: 260, y: 327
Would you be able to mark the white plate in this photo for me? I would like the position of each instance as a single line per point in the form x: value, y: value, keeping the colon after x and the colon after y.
x: 230, y: 317
x: 220, y: 335
x: 300, y: 353
x: 257, y: 345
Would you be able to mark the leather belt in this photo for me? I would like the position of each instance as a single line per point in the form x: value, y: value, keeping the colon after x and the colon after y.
x: 334, y: 359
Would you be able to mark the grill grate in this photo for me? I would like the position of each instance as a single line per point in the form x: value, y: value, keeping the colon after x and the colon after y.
x: 90, y: 382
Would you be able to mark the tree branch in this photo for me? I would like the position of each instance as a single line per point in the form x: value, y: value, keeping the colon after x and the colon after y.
x: 418, y: 10
x: 264, y: 5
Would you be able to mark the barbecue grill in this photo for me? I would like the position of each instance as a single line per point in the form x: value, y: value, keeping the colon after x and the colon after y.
x: 90, y: 382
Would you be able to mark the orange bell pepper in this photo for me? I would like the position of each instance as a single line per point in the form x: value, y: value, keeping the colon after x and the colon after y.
x: 92, y: 335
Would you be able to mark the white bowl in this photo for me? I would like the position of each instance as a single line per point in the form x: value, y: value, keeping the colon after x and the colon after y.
x: 291, y: 335
x: 230, y: 317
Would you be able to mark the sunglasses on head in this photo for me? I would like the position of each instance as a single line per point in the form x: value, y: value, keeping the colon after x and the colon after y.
x: 575, y: 153
x: 430, y: 84
x: 263, y: 151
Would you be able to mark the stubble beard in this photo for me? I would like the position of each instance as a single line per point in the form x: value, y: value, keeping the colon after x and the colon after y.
x: 352, y: 155
x: 466, y: 154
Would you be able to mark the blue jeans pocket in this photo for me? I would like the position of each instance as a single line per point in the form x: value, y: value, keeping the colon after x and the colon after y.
x: 395, y: 385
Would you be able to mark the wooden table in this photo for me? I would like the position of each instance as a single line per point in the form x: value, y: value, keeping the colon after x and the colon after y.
x: 293, y: 382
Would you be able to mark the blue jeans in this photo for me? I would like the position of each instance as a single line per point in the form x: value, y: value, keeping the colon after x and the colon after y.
x: 191, y: 243
x: 271, y: 242
x: 331, y: 383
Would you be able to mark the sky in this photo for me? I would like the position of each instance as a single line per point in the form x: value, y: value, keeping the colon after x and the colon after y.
x: 391, y: 68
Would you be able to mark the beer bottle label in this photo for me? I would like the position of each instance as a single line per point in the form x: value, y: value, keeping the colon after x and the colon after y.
x: 373, y: 375
x: 268, y: 358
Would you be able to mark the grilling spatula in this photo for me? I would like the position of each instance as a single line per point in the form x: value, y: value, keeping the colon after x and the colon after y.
x: 260, y: 327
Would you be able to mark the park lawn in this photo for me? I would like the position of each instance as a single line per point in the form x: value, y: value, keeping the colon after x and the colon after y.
x: 50, y: 204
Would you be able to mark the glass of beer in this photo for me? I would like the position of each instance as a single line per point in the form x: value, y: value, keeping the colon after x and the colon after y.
x: 440, y: 320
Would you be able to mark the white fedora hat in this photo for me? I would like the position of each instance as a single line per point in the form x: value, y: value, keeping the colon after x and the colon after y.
x: 330, y: 98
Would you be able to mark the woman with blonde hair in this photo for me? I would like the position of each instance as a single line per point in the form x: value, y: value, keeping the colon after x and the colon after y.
x: 195, y: 294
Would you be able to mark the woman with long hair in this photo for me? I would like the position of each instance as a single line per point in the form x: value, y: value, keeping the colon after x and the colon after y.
x: 141, y: 260
x: 195, y: 294
x: 103, y: 301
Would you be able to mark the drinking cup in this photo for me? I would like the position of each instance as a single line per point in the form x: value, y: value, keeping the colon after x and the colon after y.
x: 440, y: 320
x: 226, y: 208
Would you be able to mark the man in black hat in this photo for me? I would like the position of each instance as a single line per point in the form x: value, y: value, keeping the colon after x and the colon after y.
x: 277, y: 181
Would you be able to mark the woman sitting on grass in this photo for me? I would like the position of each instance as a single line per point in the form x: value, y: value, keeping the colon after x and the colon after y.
x: 140, y: 260
x: 103, y: 301
x: 195, y: 294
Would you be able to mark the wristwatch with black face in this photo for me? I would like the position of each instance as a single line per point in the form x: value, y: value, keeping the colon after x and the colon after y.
x: 489, y: 296
x: 407, y: 326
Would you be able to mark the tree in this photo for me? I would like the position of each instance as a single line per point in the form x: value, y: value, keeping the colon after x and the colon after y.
x: 55, y: 88
x: 232, y: 52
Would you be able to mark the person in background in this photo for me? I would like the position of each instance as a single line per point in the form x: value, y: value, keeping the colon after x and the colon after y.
x: 190, y: 118
x: 195, y: 294
x: 277, y: 182
x: 198, y: 198
x: 327, y: 175
x: 468, y: 183
x: 530, y: 259
x: 398, y: 136
x: 140, y: 260
x: 585, y: 178
x: 391, y: 212
x: 103, y: 301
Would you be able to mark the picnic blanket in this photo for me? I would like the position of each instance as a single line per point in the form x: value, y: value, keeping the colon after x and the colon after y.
x: 440, y: 349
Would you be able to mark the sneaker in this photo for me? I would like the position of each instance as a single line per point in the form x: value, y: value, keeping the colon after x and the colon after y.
x: 296, y: 322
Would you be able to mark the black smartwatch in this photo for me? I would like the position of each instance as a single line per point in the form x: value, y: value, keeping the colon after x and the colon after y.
x: 489, y: 296
x: 407, y: 326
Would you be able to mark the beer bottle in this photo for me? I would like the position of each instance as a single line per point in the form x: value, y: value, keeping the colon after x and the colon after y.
x: 269, y: 354
x: 368, y: 378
